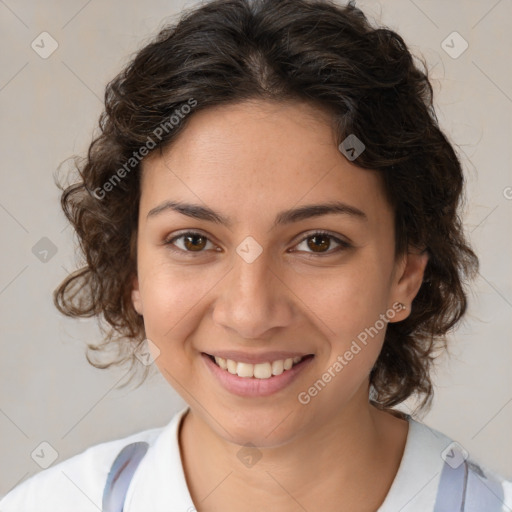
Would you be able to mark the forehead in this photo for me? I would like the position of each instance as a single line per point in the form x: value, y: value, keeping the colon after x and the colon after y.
x: 256, y: 152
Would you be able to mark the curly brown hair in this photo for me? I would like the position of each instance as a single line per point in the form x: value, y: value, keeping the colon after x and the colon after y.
x: 228, y: 51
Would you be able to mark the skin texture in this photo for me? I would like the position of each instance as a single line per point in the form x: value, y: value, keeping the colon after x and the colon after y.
x: 248, y: 162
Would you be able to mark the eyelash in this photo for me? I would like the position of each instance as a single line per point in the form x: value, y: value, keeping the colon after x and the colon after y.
x: 341, y: 243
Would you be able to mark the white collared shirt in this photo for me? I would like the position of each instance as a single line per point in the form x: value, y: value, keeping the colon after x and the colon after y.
x: 159, y: 484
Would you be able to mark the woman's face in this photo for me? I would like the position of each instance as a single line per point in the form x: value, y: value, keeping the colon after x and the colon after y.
x: 254, y: 284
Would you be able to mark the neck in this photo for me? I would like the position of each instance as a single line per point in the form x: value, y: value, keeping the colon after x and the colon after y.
x: 334, y: 462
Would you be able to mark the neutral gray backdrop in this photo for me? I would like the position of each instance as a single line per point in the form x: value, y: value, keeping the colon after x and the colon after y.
x: 49, y: 109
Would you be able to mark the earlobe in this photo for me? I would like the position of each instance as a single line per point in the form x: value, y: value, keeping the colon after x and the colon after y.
x: 409, y: 279
x: 136, y: 299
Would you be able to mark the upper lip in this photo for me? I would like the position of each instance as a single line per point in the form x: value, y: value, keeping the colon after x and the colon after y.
x: 266, y: 357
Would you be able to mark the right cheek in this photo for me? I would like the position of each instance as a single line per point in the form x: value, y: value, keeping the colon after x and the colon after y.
x: 175, y: 370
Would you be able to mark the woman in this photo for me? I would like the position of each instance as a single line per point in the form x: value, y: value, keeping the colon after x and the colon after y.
x: 271, y: 213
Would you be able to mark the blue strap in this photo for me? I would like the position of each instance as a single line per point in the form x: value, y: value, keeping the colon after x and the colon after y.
x: 452, y: 488
x: 467, y: 488
x: 121, y: 474
x: 483, y: 492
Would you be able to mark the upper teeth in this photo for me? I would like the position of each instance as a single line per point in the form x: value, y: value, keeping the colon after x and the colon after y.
x: 260, y: 370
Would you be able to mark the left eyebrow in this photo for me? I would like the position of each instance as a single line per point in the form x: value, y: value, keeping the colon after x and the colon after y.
x: 196, y: 211
x: 317, y: 210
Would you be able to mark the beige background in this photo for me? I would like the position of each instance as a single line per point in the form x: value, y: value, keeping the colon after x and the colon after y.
x: 49, y: 108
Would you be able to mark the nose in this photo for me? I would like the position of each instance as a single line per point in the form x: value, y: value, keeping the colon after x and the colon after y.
x: 253, y: 299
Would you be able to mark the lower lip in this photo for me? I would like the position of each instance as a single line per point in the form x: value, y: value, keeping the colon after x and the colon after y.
x: 245, y: 386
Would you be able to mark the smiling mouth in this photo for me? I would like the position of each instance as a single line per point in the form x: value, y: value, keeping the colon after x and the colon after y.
x: 265, y: 370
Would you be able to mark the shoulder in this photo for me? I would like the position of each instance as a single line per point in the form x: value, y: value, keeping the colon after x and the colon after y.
x: 77, y: 482
x: 434, y: 467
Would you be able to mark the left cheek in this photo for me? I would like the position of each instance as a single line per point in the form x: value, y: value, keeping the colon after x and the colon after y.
x: 351, y: 360
x: 352, y: 314
x: 358, y: 353
x: 362, y: 338
x: 350, y: 305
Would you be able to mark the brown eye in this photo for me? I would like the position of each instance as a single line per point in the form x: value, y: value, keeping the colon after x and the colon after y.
x: 194, y: 242
x: 321, y: 243
x: 189, y: 242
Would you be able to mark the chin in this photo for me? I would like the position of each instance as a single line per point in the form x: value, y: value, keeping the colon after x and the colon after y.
x: 259, y: 426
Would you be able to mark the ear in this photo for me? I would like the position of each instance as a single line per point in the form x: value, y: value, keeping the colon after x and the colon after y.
x: 407, y: 280
x: 136, y: 299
